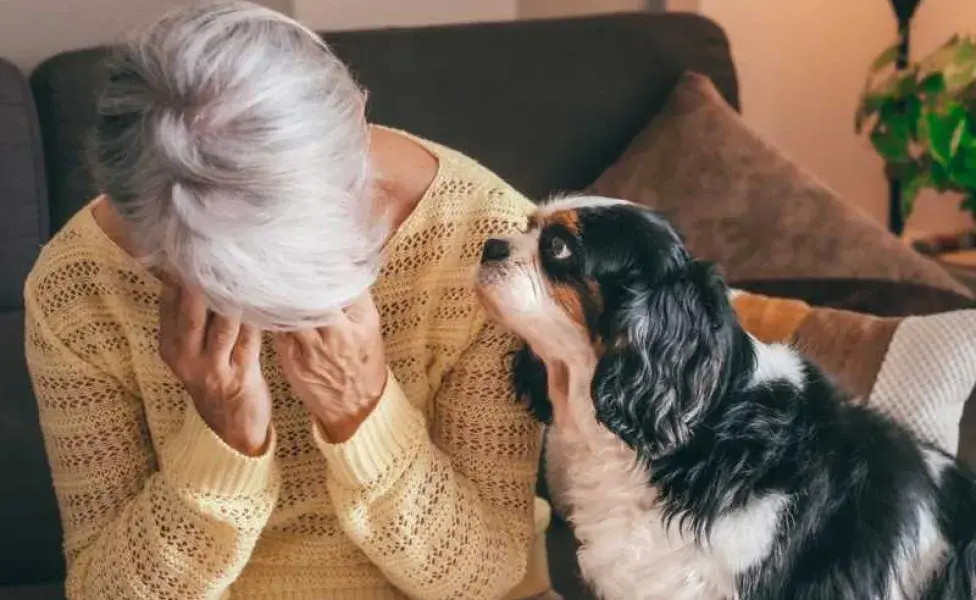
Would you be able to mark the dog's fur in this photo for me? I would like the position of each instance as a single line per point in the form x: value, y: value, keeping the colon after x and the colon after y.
x: 694, y: 462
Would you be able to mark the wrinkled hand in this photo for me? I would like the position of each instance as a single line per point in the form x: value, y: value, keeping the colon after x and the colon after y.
x: 338, y: 371
x: 218, y: 361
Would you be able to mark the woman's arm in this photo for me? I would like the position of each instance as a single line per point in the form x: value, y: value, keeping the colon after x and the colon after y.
x: 447, y: 514
x: 180, y: 524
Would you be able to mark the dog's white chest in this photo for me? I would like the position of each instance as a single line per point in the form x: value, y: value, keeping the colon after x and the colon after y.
x: 626, y: 552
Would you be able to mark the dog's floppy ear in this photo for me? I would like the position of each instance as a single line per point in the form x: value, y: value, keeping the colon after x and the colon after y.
x: 530, y: 379
x: 666, y: 350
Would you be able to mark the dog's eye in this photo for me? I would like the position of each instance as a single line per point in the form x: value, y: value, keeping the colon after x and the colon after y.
x: 558, y: 248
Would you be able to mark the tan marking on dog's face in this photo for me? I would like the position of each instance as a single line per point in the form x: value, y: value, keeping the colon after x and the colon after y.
x: 571, y: 299
x: 517, y: 293
x: 541, y: 294
x: 568, y: 298
x: 569, y: 219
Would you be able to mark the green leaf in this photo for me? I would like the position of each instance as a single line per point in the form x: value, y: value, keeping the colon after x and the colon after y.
x: 924, y: 135
x: 967, y: 139
x: 910, y: 190
x: 969, y: 203
x: 969, y: 159
x: 964, y: 169
x: 965, y: 179
x: 960, y: 75
x: 913, y: 114
x: 887, y: 57
x: 922, y: 119
x: 938, y: 138
x: 962, y: 70
x: 908, y: 201
x: 869, y: 106
x: 906, y: 86
x: 896, y: 84
x: 901, y: 171
x: 943, y: 133
x: 942, y: 56
x: 957, y: 134
x: 897, y: 123
x: 940, y: 177
x: 932, y: 85
x: 890, y: 144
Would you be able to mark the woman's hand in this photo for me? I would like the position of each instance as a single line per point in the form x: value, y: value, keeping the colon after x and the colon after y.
x: 338, y: 371
x: 218, y: 361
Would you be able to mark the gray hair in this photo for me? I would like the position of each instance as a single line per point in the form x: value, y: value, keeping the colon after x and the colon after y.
x: 234, y: 145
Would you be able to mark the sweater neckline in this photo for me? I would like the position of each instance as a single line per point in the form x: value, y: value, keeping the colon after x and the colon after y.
x: 87, y: 221
x: 410, y: 223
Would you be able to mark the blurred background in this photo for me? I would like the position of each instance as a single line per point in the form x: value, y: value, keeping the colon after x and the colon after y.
x: 802, y: 63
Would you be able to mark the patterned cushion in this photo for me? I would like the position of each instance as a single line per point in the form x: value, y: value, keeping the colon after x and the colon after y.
x: 920, y: 370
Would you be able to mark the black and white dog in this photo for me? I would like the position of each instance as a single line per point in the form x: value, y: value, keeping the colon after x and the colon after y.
x: 694, y: 462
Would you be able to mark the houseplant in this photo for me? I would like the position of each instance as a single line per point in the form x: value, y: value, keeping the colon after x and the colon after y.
x: 921, y: 119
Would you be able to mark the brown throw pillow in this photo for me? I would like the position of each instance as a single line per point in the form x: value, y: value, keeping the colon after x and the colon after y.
x: 741, y: 203
x: 919, y: 370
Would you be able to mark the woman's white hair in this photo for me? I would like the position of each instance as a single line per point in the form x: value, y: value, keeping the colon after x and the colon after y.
x: 235, y: 146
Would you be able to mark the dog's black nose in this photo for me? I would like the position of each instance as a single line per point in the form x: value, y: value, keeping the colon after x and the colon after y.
x: 494, y: 250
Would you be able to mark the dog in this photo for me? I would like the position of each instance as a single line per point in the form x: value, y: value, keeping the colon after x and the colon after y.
x: 692, y: 460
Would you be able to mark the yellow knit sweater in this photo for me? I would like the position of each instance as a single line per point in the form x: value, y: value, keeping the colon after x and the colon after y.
x: 432, y: 498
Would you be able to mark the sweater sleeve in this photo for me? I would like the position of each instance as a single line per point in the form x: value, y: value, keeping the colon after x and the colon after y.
x: 138, y: 524
x: 445, y: 514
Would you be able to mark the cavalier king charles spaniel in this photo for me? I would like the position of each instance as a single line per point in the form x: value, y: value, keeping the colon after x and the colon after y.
x: 693, y: 461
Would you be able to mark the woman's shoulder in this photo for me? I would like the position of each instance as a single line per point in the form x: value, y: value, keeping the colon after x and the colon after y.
x: 79, y: 269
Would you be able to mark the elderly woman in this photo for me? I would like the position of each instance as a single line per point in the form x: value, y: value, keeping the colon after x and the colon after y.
x: 261, y: 368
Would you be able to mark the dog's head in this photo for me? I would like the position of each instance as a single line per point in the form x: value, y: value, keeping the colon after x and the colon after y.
x: 614, y: 279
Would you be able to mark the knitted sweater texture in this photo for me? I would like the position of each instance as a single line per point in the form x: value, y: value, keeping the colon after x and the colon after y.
x: 432, y: 498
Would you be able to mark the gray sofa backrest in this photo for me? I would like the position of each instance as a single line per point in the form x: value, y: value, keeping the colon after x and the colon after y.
x: 546, y: 104
x: 28, y: 514
x: 23, y: 193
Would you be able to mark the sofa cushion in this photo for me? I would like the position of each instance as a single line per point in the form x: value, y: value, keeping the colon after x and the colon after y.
x: 548, y: 105
x: 920, y: 370
x: 883, y: 299
x: 31, y: 548
x: 23, y: 201
x: 743, y: 204
x: 30, y: 551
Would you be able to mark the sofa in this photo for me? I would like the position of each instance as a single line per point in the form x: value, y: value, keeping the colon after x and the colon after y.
x: 546, y: 104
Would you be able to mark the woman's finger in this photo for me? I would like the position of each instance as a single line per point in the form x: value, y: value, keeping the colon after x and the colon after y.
x: 248, y: 346
x: 286, y: 347
x: 192, y: 320
x: 304, y: 340
x: 222, y: 332
x: 361, y: 309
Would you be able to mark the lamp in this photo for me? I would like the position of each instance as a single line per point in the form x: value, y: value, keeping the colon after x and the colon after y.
x: 904, y: 11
